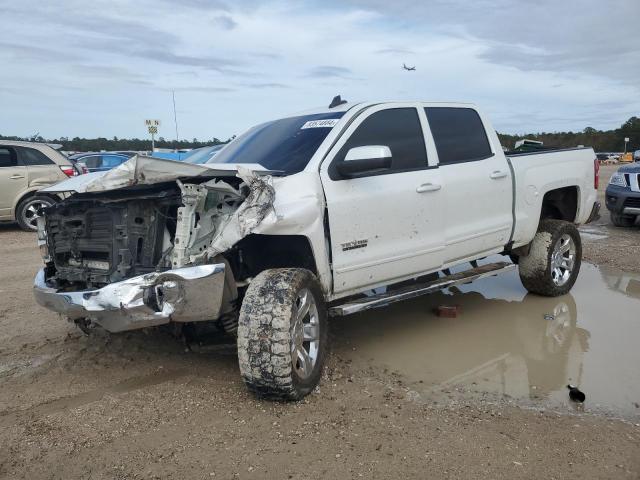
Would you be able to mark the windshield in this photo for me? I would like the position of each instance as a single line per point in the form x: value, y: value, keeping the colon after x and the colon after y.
x: 203, y: 155
x: 285, y: 145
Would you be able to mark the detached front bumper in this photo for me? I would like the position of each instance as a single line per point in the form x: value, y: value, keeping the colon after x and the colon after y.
x: 182, y: 295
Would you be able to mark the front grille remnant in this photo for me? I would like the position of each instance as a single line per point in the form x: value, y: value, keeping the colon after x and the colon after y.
x: 96, y: 243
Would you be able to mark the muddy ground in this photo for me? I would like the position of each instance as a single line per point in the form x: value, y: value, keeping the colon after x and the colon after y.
x: 405, y: 393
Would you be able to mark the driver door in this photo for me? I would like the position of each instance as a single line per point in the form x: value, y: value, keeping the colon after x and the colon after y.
x: 385, y: 223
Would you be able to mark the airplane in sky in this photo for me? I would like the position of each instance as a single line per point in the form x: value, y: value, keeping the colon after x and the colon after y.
x: 408, y: 69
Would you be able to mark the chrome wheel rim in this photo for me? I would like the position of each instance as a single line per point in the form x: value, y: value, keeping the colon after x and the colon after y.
x: 563, y: 260
x: 305, y: 334
x: 30, y: 212
x: 559, y: 328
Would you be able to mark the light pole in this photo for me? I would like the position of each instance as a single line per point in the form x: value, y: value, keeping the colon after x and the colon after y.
x: 626, y: 140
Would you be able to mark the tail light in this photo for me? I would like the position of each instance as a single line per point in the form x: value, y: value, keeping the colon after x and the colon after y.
x: 596, y: 173
x: 68, y: 170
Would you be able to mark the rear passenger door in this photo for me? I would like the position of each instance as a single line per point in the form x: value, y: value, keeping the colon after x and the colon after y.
x: 476, y: 184
x: 384, y: 225
x: 41, y: 170
x: 13, y: 181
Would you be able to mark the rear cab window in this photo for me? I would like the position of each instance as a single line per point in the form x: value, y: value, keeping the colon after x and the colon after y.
x: 459, y: 135
x: 397, y: 128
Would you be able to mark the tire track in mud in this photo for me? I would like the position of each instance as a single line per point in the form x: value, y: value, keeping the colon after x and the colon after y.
x: 10, y: 417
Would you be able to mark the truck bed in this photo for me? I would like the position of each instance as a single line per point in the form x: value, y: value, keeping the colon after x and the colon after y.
x: 573, y: 168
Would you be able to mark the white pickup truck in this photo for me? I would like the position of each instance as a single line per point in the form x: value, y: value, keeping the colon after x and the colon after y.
x: 307, y: 217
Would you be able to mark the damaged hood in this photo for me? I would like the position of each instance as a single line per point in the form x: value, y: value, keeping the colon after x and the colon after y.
x: 142, y: 170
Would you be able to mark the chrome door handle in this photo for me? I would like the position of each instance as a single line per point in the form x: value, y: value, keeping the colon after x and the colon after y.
x: 16, y: 177
x: 428, y: 187
x: 498, y: 174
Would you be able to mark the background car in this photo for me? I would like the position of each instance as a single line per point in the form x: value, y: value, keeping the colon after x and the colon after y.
x: 204, y: 154
x: 100, y: 161
x: 168, y: 154
x: 623, y: 195
x: 25, y: 168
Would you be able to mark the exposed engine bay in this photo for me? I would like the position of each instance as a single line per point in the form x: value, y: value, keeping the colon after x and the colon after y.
x: 94, y: 239
x: 149, y: 238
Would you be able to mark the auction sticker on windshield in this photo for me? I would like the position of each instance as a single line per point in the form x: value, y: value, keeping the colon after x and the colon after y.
x: 326, y: 123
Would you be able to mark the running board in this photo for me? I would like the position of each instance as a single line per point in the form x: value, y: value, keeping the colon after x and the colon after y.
x: 384, y: 299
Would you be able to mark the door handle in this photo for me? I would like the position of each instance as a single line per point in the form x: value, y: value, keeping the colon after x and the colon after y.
x: 428, y: 187
x: 16, y: 177
x: 498, y: 174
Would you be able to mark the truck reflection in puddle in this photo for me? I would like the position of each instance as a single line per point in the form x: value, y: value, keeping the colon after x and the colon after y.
x: 510, y: 343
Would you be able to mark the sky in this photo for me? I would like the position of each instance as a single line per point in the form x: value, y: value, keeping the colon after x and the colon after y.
x: 100, y: 68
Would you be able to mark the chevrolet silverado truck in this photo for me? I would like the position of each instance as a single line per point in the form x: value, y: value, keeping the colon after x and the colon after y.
x: 324, y: 213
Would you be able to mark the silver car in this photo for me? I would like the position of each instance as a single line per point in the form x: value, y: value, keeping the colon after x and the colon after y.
x: 25, y: 168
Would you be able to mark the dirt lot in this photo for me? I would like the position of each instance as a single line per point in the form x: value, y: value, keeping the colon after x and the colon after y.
x: 404, y: 394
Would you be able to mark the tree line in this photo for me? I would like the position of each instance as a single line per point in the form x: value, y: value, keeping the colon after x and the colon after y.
x: 78, y: 144
x: 600, y: 140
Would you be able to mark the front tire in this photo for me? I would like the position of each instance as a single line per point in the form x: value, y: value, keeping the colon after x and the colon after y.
x: 625, y: 221
x: 553, y: 262
x: 27, y: 211
x: 282, y: 334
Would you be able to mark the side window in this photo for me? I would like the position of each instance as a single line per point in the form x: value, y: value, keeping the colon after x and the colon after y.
x: 31, y: 156
x: 459, y: 134
x: 93, y: 161
x: 397, y: 128
x: 7, y: 157
x: 110, y: 161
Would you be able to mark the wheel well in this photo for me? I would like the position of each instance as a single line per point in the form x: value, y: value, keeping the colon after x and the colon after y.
x: 256, y: 253
x: 560, y: 204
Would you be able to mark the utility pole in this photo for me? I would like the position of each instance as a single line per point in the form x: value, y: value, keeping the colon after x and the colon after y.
x: 175, y: 116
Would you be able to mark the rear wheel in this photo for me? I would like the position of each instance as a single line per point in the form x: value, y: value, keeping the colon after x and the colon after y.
x: 623, y: 220
x: 27, y: 211
x: 282, y: 334
x: 552, y: 265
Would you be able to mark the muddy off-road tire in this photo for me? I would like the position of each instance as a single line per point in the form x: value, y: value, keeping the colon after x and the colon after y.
x: 282, y: 334
x: 623, y: 220
x: 553, y: 263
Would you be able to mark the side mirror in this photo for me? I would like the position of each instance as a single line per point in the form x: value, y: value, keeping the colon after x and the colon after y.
x: 366, y: 159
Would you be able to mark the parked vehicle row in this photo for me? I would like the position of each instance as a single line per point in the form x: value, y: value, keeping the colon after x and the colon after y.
x: 27, y: 167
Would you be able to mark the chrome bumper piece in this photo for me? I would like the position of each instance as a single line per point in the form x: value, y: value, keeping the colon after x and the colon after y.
x: 182, y: 295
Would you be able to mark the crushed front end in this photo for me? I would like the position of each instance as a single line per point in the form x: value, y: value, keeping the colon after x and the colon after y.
x: 145, y: 254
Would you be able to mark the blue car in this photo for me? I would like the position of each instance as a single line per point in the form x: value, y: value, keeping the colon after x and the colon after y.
x: 204, y: 154
x: 99, y: 162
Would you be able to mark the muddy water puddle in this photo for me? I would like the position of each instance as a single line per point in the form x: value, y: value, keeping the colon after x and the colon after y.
x: 511, y: 344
